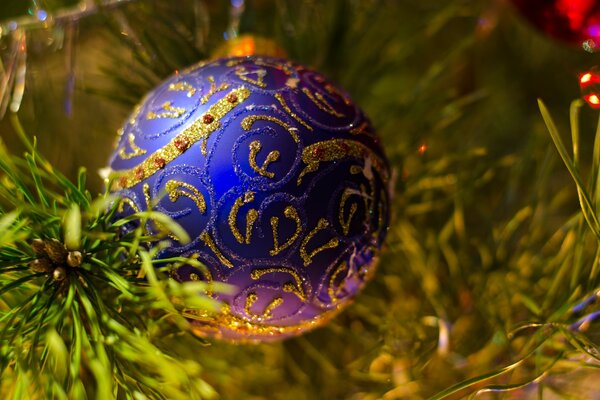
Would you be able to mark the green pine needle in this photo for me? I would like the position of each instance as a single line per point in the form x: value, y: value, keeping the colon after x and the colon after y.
x: 550, y: 335
x: 75, y: 319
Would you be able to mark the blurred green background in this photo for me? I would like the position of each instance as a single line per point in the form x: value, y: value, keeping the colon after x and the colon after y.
x: 486, y: 233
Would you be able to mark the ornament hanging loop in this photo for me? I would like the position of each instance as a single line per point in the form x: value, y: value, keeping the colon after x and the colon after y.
x: 237, y: 45
x: 236, y: 10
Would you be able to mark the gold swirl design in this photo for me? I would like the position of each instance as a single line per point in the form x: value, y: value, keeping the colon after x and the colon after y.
x: 147, y: 197
x: 331, y: 290
x: 244, y: 75
x: 336, y: 92
x: 218, y: 325
x: 360, y: 129
x: 332, y: 244
x: 175, y: 192
x: 213, y: 89
x: 135, y: 149
x: 321, y: 103
x: 353, y: 208
x: 276, y: 302
x: 287, y: 109
x: 136, y: 113
x: 183, y: 87
x: 289, y: 287
x: 205, y: 237
x: 199, y: 130
x: 127, y: 201
x: 266, y: 314
x: 251, y: 218
x: 291, y: 213
x: 250, y: 300
x: 337, y: 149
x: 285, y: 67
x: 255, y: 148
x: 169, y: 112
x: 251, y: 119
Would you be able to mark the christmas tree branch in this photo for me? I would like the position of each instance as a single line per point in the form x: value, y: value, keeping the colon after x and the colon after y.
x: 557, y: 336
x: 43, y: 19
x: 572, y: 163
x: 73, y: 310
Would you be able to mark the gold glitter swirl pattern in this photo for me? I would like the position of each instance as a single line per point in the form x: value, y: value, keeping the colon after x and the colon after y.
x: 213, y: 89
x: 291, y: 213
x: 332, y: 244
x: 244, y: 75
x: 201, y: 129
x: 175, y: 191
x: 215, y: 324
x: 292, y: 114
x: 290, y: 287
x: 127, y: 201
x: 251, y: 218
x: 337, y: 149
x: 331, y: 290
x: 250, y: 120
x: 276, y: 302
x: 208, y: 241
x: 355, y: 169
x: 318, y: 99
x: 266, y: 314
x: 251, y: 298
x: 147, y: 197
x: 336, y: 92
x: 360, y: 129
x: 285, y: 67
x: 234, y: 62
x: 169, y: 112
x: 183, y: 87
x: 120, y: 133
x: 255, y: 148
x: 345, y: 223
x: 135, y: 149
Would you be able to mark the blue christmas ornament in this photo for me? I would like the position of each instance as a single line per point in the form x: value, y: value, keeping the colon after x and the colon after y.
x: 278, y: 178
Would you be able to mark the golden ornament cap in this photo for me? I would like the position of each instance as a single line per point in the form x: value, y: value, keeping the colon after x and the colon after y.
x: 249, y: 45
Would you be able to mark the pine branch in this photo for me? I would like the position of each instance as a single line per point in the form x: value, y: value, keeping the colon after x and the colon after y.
x: 75, y: 319
x: 561, y: 334
x: 42, y: 19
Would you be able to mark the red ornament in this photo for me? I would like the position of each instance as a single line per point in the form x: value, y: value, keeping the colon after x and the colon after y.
x: 589, y: 83
x: 572, y: 21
